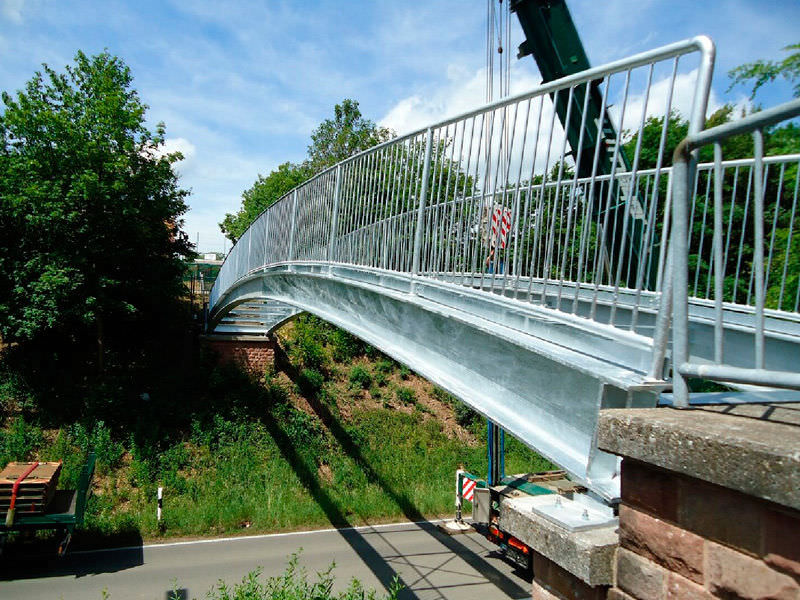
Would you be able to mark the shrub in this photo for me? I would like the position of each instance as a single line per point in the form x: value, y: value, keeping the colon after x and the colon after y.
x: 294, y: 585
x: 380, y: 379
x: 142, y: 470
x: 345, y: 347
x: 465, y: 416
x: 444, y: 397
x: 360, y: 377
x: 170, y: 462
x: 385, y: 366
x: 406, y: 395
x: 309, y: 352
x: 108, y: 452
x: 19, y: 441
x: 310, y: 382
x: 15, y: 394
x: 372, y: 352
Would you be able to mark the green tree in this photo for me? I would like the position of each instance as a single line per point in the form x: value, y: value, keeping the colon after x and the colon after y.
x: 89, y: 207
x: 761, y: 72
x: 263, y: 193
x: 343, y: 136
x: 346, y: 134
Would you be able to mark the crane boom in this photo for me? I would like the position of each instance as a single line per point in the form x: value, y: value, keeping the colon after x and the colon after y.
x: 553, y: 41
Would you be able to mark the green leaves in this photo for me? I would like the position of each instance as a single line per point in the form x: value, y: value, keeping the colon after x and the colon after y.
x: 332, y: 141
x: 265, y: 192
x: 761, y: 72
x: 89, y: 213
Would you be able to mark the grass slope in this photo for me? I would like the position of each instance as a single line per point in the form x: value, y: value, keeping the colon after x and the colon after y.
x: 336, y: 434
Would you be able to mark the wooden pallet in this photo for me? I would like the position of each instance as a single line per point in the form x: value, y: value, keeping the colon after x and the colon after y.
x: 35, y: 491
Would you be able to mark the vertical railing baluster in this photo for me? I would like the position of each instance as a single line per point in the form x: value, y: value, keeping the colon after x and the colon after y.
x: 680, y: 276
x: 334, y: 217
x: 421, y: 209
x: 719, y: 266
x: 292, y: 227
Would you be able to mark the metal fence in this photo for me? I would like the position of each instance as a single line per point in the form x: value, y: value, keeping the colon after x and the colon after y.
x: 504, y: 200
x: 735, y: 245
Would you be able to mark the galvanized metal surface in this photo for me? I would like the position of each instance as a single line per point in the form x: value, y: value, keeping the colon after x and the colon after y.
x: 753, y: 259
x: 566, y: 314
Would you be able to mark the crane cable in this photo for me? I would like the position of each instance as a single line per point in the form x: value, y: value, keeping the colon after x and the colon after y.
x: 498, y: 31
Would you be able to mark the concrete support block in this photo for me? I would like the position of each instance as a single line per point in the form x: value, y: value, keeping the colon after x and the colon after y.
x: 560, y: 583
x: 730, y: 451
x: 587, y: 555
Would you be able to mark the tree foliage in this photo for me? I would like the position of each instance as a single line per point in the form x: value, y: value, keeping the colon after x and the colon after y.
x: 264, y: 192
x: 347, y: 133
x: 761, y: 72
x: 343, y: 136
x: 89, y: 207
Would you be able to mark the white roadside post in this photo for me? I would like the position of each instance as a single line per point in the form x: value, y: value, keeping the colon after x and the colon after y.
x: 160, y: 497
x: 459, y: 495
x: 457, y: 525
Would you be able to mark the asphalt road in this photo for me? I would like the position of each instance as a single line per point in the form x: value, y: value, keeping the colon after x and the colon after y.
x: 429, y: 564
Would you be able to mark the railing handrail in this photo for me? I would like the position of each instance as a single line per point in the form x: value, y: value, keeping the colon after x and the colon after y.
x: 701, y: 43
x: 683, y: 178
x: 391, y: 179
x: 663, y: 171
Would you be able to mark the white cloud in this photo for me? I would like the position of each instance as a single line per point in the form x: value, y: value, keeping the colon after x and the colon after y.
x: 12, y: 10
x: 681, y: 99
x: 182, y: 145
x: 463, y: 91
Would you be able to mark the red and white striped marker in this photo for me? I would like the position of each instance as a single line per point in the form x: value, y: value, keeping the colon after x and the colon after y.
x: 468, y: 488
x: 501, y: 219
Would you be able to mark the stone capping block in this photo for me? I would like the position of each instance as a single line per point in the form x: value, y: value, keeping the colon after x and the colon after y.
x: 588, y: 554
x: 756, y: 456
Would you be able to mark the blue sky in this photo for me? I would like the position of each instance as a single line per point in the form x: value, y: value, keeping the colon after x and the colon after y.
x: 241, y: 84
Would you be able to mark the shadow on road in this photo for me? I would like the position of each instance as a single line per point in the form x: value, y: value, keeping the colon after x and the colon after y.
x: 23, y: 562
x: 356, y: 539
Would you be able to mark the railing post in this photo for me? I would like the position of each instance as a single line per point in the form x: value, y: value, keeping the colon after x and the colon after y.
x: 758, y: 242
x: 249, y: 247
x: 266, y: 237
x: 290, y: 257
x: 426, y: 168
x: 334, y: 215
x: 680, y: 274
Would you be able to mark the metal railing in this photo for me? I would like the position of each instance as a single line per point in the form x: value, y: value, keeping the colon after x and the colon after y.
x: 585, y: 229
x: 746, y: 271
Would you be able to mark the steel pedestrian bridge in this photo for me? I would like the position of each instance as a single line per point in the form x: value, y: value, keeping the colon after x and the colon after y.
x: 621, y: 274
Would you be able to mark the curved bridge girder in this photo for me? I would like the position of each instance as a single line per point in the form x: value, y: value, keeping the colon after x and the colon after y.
x: 504, y: 364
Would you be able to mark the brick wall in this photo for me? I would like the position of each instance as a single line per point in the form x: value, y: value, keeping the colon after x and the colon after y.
x: 252, y: 354
x: 684, y: 538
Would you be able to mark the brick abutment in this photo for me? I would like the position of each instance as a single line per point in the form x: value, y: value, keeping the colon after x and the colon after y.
x: 710, y: 509
x: 253, y: 354
x: 710, y: 503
